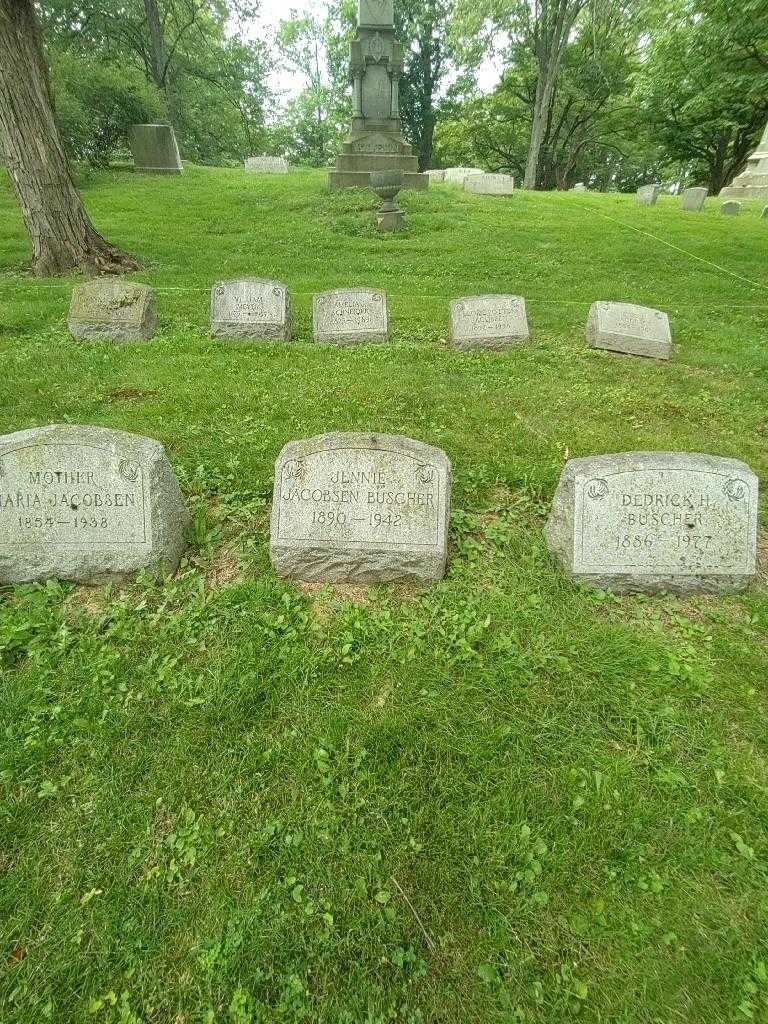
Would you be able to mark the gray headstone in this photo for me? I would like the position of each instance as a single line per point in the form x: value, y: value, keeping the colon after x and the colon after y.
x: 579, y: 187
x: 86, y: 503
x: 109, y: 307
x: 267, y: 165
x: 490, y: 184
x: 652, y: 521
x: 251, y: 307
x: 351, y: 316
x: 694, y: 199
x: 366, y: 508
x: 634, y: 330
x: 731, y: 208
x: 154, y: 149
x: 489, y: 321
x: 648, y: 194
x: 436, y: 175
x: 457, y: 175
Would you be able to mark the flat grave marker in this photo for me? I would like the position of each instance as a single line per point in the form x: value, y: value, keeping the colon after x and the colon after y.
x: 489, y: 321
x: 632, y: 330
x: 490, y: 184
x: 351, y: 316
x: 266, y: 165
x: 359, y: 507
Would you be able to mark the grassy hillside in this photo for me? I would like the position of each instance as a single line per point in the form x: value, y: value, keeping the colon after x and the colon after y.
x: 229, y: 799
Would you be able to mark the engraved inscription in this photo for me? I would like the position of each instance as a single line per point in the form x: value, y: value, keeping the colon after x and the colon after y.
x: 249, y: 302
x: 108, y: 303
x: 633, y: 321
x: 62, y: 495
x: 490, y: 316
x: 350, y: 312
x: 676, y: 521
x: 361, y: 498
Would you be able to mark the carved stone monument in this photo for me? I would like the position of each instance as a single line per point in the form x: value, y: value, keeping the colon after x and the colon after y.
x: 375, y: 141
x: 250, y: 307
x: 694, y: 199
x: 366, y: 508
x: 652, y: 521
x: 490, y: 184
x: 351, y: 316
x: 489, y: 321
x: 753, y: 182
x: 647, y: 195
x: 86, y: 503
x: 633, y: 330
x: 114, y: 309
x: 154, y: 149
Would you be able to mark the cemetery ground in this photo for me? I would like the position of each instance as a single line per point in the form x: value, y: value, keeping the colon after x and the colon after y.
x: 503, y: 798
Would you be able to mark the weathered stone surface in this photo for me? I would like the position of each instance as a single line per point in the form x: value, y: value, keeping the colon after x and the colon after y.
x: 110, y: 307
x: 490, y: 184
x: 266, y: 165
x: 368, y: 508
x: 694, y: 199
x: 457, y: 175
x: 251, y: 307
x: 633, y: 330
x: 351, y: 316
x: 436, y: 175
x: 652, y: 521
x: 86, y: 503
x: 752, y: 183
x: 731, y: 208
x: 489, y: 321
x: 648, y: 194
x: 154, y: 149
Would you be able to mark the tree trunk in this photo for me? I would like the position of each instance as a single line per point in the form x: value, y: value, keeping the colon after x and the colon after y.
x: 161, y: 71
x: 62, y: 235
x: 538, y: 126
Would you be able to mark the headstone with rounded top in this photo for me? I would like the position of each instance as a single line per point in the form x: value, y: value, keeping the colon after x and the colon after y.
x: 351, y: 316
x: 656, y: 521
x: 114, y: 309
x: 630, y: 329
x: 87, y: 504
x: 489, y: 321
x: 154, y: 149
x: 251, y: 308
x: 647, y: 195
x: 731, y: 209
x: 693, y: 199
x: 362, y: 508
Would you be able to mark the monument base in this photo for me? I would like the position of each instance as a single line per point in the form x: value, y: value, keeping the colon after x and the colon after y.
x: 378, y: 146
x: 747, y: 186
x: 362, y: 179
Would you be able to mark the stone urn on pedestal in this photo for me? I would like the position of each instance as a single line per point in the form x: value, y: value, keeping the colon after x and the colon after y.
x: 387, y: 185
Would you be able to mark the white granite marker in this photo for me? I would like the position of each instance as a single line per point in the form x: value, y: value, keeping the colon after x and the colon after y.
x: 731, y: 209
x: 490, y: 184
x: 579, y: 187
x: 436, y: 176
x: 251, y: 308
x: 365, y: 508
x: 694, y: 198
x: 88, y: 504
x: 457, y: 175
x: 648, y: 194
x: 489, y: 321
x: 351, y: 316
x: 114, y: 309
x: 653, y: 521
x: 633, y: 330
x: 266, y: 165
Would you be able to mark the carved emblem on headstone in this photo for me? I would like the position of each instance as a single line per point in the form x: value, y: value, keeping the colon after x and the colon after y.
x: 736, y: 490
x: 598, y: 490
x: 128, y: 471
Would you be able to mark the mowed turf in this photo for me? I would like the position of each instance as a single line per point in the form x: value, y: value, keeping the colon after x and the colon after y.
x: 228, y: 799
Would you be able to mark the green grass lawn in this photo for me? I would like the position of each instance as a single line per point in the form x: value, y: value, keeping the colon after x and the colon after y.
x: 231, y: 800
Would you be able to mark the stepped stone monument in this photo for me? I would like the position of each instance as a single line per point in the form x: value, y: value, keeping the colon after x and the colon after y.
x: 375, y: 141
x: 154, y: 149
x: 654, y: 521
x: 753, y: 182
x: 363, y: 508
x: 87, y: 503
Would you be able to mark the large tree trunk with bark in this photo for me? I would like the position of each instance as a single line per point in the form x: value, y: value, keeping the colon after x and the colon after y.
x: 161, y: 68
x: 62, y: 235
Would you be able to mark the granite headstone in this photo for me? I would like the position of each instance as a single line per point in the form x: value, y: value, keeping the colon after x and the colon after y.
x: 633, y: 330
x: 490, y: 184
x: 154, y: 149
x: 351, y: 316
x: 114, y: 309
x: 694, y: 199
x: 266, y: 165
x: 489, y: 321
x: 648, y: 194
x: 731, y: 209
x: 251, y: 307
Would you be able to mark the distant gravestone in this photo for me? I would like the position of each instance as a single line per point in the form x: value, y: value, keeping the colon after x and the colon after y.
x: 633, y: 330
x: 731, y: 209
x: 351, y: 316
x: 436, y: 175
x: 251, y: 307
x: 88, y: 504
x: 694, y: 199
x: 490, y: 184
x: 368, y: 508
x: 653, y: 521
x: 267, y: 165
x: 457, y: 175
x: 648, y: 194
x: 154, y: 149
x: 579, y: 187
x: 109, y: 307
x: 489, y: 321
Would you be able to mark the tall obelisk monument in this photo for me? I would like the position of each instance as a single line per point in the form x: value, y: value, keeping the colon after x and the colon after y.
x: 753, y: 182
x: 375, y: 141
